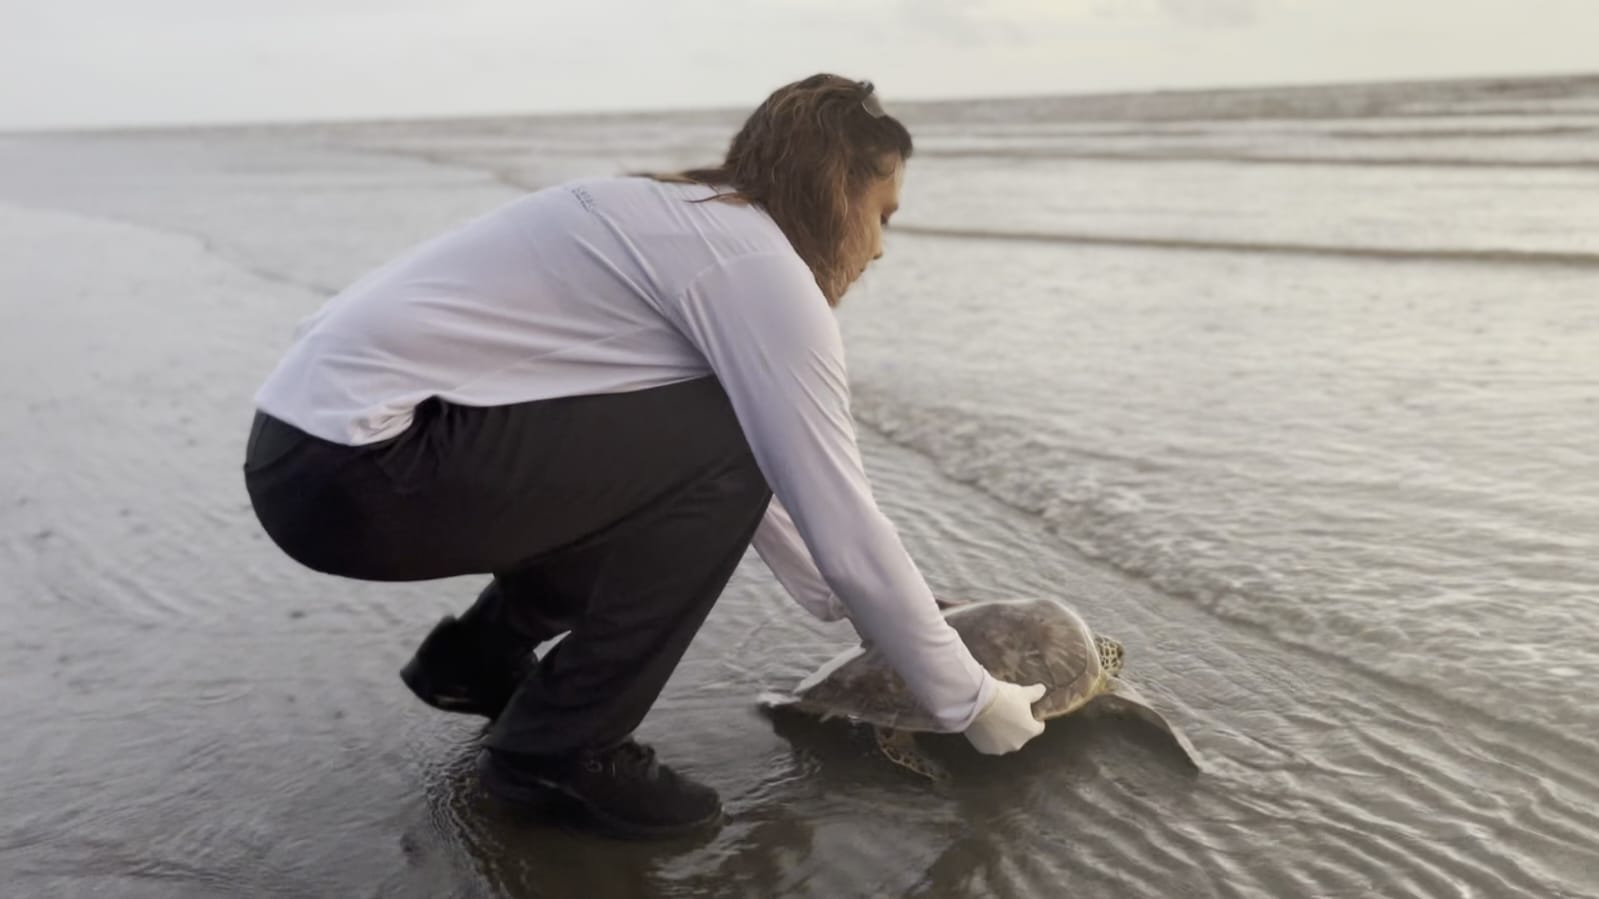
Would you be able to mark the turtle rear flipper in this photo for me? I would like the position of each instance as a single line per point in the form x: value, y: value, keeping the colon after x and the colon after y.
x: 901, y: 749
x: 1120, y: 698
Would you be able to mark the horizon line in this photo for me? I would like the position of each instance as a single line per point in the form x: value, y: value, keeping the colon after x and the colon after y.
x: 624, y: 111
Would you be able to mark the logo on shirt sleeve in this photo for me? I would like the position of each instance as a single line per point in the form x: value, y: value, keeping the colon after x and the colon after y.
x: 584, y: 197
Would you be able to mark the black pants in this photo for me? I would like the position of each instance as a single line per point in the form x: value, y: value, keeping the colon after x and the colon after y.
x: 618, y: 517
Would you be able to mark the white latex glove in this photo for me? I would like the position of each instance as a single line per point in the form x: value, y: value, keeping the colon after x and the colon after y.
x: 1008, y: 723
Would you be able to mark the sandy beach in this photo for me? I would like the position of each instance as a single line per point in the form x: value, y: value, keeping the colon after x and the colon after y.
x: 1292, y: 392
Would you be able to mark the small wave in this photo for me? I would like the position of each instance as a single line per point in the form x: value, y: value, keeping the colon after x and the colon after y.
x: 1119, y: 518
x: 1460, y: 133
x: 1429, y: 162
x: 930, y: 140
x: 1417, y: 254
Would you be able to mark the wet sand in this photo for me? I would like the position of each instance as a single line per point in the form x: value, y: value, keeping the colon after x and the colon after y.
x: 187, y: 713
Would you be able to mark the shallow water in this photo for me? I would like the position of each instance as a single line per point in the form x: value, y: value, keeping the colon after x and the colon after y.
x: 1340, y: 503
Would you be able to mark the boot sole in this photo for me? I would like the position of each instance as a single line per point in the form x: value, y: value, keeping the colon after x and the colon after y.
x: 416, y: 678
x: 542, y: 794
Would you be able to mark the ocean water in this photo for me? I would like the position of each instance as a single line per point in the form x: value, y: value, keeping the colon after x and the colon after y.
x: 1296, y: 392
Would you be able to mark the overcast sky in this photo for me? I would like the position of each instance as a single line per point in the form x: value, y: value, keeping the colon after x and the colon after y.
x: 101, y: 62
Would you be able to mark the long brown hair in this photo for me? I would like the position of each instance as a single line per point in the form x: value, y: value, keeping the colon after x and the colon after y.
x: 805, y: 155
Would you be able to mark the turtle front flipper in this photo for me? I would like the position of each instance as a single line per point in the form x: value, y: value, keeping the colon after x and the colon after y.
x: 901, y: 749
x: 1120, y: 698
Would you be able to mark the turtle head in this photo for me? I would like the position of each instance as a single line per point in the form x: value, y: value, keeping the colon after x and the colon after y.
x: 1110, y: 655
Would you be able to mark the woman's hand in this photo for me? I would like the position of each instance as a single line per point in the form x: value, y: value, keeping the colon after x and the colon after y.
x: 1007, y: 723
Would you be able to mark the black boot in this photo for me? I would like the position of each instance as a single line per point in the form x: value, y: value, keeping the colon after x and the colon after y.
x: 623, y: 790
x: 453, y: 672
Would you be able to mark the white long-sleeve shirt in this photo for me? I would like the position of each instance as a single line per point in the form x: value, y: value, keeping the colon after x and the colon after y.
x: 622, y: 284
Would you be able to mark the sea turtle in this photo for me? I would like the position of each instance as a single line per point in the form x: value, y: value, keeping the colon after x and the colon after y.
x: 1028, y: 641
